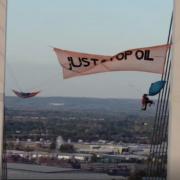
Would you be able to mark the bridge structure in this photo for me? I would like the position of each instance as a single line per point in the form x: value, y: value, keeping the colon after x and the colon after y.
x: 157, y: 162
x: 164, y: 160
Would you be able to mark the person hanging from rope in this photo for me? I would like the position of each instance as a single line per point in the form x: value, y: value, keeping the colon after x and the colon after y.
x: 146, y: 101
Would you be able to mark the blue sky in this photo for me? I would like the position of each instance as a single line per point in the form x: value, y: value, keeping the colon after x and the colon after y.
x: 97, y: 26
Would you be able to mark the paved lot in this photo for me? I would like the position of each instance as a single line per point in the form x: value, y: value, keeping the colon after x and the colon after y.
x: 24, y: 171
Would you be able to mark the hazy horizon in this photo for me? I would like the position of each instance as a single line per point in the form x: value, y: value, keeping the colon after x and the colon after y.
x: 85, y: 26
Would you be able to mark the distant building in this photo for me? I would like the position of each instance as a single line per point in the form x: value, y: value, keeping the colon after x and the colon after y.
x: 59, y: 142
x: 80, y: 141
x: 77, y: 156
x: 69, y: 141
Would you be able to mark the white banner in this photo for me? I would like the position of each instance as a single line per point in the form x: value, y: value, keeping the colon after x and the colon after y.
x: 149, y: 59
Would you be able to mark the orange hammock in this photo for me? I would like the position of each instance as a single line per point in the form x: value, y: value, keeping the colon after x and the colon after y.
x: 25, y: 94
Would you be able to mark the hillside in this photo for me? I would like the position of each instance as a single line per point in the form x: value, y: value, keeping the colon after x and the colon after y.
x: 130, y: 106
x: 79, y: 118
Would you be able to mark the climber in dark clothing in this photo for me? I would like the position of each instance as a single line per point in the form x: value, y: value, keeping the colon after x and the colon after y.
x: 146, y: 101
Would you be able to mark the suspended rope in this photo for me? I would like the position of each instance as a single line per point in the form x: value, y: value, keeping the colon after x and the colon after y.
x: 13, y: 76
x: 20, y: 89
